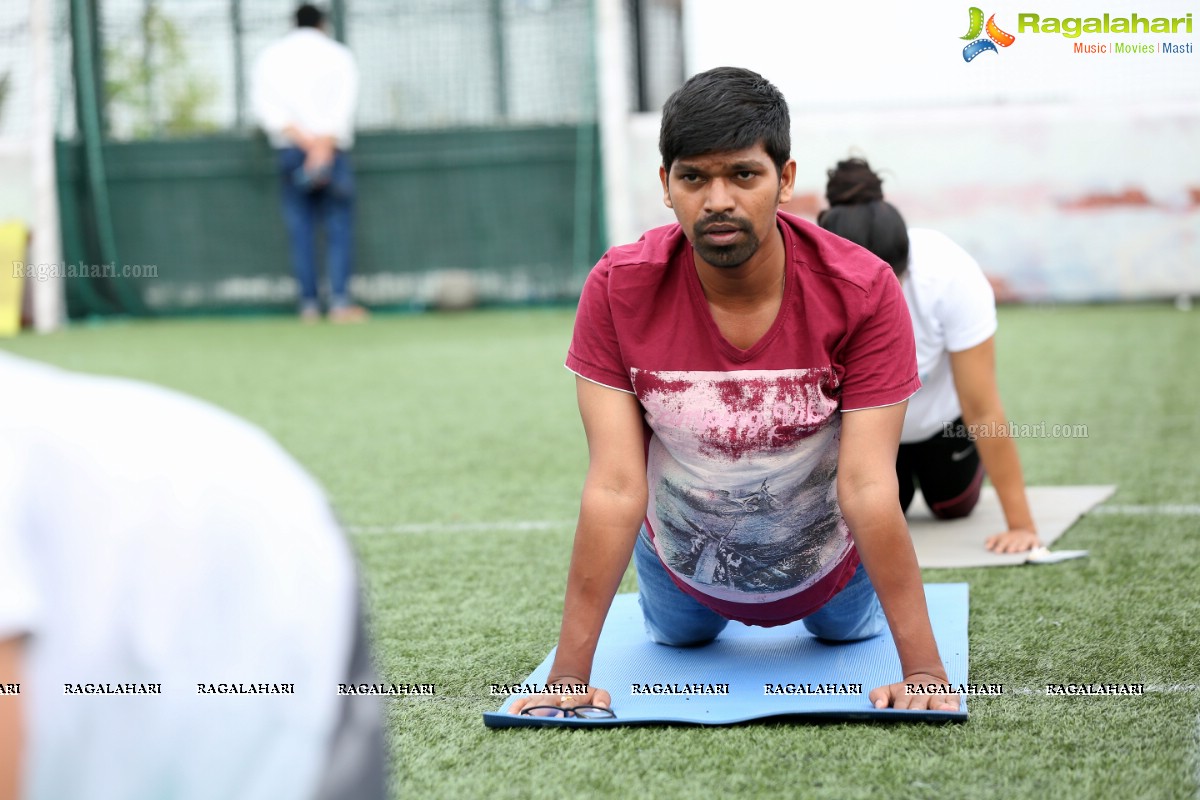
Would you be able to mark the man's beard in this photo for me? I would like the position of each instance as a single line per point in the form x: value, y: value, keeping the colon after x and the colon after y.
x: 730, y: 255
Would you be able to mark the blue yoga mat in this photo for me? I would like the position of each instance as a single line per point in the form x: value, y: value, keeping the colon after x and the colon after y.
x: 747, y: 659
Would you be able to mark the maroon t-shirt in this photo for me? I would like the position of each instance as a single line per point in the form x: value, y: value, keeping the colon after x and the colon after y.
x: 742, y: 445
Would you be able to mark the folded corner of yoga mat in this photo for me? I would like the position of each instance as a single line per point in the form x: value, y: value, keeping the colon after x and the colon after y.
x: 751, y: 674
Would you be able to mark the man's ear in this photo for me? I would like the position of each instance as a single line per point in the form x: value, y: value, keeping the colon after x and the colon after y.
x: 787, y: 181
x: 662, y: 176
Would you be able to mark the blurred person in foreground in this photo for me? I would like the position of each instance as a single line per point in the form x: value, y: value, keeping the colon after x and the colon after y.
x: 742, y: 378
x: 304, y: 91
x: 955, y: 429
x: 178, y: 605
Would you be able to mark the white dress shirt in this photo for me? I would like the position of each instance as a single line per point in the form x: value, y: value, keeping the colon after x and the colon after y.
x: 308, y: 80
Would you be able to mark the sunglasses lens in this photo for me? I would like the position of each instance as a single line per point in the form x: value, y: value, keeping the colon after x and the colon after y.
x: 543, y: 711
x: 594, y: 712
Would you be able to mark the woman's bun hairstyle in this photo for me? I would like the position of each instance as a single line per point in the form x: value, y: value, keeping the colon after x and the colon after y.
x: 858, y: 212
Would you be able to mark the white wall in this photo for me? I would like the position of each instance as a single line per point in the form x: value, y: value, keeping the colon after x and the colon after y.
x: 870, y: 54
x: 16, y: 187
x: 1070, y: 176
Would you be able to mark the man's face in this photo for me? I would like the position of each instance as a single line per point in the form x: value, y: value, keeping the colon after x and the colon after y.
x: 726, y: 202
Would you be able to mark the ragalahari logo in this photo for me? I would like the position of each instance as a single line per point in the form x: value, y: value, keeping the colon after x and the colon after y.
x: 995, y: 36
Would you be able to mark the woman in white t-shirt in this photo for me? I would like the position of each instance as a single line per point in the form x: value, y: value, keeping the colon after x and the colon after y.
x: 955, y: 428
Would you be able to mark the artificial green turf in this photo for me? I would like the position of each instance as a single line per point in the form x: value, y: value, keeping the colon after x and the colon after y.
x: 470, y: 419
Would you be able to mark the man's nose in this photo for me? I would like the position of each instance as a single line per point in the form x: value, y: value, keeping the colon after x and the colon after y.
x: 719, y: 198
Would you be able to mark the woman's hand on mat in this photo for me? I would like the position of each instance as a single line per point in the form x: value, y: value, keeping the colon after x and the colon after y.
x: 1017, y: 540
x: 594, y: 696
x: 917, y: 692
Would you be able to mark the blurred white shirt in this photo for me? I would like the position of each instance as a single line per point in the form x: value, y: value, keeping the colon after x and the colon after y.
x: 308, y: 80
x: 953, y: 309
x: 150, y: 538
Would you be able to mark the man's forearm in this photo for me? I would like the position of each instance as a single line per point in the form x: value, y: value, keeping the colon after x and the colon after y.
x: 881, y: 536
x: 604, y: 539
x: 307, y: 140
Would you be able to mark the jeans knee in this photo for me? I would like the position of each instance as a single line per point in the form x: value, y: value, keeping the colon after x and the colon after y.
x: 680, y: 627
x: 693, y: 635
x: 868, y: 627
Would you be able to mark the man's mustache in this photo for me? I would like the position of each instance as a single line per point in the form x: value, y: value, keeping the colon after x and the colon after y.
x: 703, y: 226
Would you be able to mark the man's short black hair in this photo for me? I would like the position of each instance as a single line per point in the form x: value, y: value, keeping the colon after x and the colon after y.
x: 309, y: 16
x: 727, y: 108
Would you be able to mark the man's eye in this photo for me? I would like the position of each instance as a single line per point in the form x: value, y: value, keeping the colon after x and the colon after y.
x: 690, y: 177
x: 745, y: 175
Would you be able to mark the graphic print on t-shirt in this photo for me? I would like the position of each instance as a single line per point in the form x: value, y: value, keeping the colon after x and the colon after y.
x: 742, y: 473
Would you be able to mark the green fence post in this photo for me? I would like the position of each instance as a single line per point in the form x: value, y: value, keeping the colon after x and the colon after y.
x: 89, y: 90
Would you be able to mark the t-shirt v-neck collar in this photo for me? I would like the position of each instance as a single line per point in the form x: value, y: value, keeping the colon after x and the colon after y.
x: 700, y: 302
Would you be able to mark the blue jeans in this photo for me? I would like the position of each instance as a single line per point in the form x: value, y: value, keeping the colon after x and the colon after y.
x: 304, y: 210
x: 675, y: 618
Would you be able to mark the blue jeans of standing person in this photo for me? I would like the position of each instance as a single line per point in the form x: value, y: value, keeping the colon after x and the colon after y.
x: 675, y: 618
x: 308, y: 206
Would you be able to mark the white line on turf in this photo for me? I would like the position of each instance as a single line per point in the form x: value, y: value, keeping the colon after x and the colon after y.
x: 464, y: 527
x: 1173, y: 510
x: 1169, y: 510
x: 1151, y: 688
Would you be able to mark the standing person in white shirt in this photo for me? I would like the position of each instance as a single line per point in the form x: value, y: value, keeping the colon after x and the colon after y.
x: 304, y: 91
x: 178, y: 606
x: 955, y: 429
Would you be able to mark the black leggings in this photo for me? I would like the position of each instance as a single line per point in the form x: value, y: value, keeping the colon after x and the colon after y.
x: 947, y: 468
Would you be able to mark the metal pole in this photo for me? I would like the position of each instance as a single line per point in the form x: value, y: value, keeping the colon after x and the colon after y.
x: 96, y: 64
x: 337, y: 10
x: 153, y: 120
x: 239, y: 63
x: 612, y: 35
x: 585, y: 158
x: 499, y: 57
x: 49, y: 301
x: 639, y: 54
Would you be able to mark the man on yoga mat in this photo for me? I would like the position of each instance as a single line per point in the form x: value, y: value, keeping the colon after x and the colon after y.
x: 742, y: 378
x: 955, y: 427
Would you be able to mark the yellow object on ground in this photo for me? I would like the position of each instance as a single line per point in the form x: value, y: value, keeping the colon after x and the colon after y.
x: 14, y: 238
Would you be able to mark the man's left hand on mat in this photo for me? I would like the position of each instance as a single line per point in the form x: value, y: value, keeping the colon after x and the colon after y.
x: 914, y: 694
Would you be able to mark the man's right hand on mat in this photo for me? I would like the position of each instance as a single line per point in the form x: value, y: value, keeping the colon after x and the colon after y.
x: 594, y: 696
x: 916, y: 693
x: 1015, y: 540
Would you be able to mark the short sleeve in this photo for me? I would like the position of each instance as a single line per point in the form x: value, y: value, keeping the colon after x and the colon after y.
x: 967, y: 310
x: 595, y: 351
x: 18, y: 598
x: 879, y: 359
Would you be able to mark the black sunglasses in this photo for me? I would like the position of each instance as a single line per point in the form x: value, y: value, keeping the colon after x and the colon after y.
x: 583, y: 712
